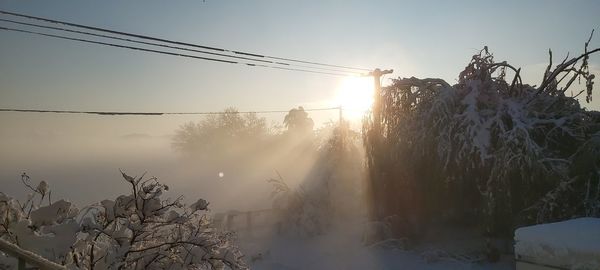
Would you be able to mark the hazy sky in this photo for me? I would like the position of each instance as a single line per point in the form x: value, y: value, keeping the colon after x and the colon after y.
x: 419, y: 38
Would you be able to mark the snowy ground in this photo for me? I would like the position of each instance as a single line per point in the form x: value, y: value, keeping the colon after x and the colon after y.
x: 341, y: 249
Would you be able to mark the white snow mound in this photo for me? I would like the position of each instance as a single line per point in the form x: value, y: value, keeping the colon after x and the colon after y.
x: 571, y: 244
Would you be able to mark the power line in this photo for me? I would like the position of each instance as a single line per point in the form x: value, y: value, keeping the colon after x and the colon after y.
x: 114, y: 113
x: 178, y: 42
x: 170, y: 47
x: 130, y: 40
x: 170, y: 53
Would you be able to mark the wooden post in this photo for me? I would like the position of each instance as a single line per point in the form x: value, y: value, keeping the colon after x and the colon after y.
x: 21, y: 263
x: 249, y: 223
x: 376, y: 188
x: 229, y: 221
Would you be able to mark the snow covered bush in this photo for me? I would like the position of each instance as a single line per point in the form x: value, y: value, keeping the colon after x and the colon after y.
x: 140, y: 230
x: 486, y: 149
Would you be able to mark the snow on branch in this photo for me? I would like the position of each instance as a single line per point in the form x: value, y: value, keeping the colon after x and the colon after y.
x: 526, y: 154
x: 139, y: 230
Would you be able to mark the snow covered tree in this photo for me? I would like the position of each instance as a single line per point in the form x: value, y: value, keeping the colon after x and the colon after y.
x: 140, y: 230
x: 501, y: 152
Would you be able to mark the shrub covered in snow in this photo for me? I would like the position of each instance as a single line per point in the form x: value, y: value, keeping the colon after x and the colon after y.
x: 486, y: 149
x: 140, y: 230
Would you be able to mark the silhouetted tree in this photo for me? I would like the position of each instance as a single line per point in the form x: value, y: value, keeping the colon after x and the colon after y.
x: 298, y: 122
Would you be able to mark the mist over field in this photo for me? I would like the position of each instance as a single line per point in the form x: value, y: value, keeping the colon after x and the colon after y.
x: 80, y: 158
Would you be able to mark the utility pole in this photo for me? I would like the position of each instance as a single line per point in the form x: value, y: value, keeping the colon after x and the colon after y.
x: 377, y: 190
x: 340, y: 109
x: 377, y: 73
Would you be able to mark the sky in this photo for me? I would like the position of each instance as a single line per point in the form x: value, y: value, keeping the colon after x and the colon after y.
x: 414, y: 38
x: 418, y: 38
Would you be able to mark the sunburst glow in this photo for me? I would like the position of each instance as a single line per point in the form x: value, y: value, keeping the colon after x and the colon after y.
x: 355, y: 95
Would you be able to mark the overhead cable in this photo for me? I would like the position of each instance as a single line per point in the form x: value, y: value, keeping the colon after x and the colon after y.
x: 115, y: 113
x: 179, y: 42
x: 169, y: 46
x: 171, y: 53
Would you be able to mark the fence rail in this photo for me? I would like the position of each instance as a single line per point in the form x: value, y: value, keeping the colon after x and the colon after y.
x: 27, y: 257
x: 250, y: 223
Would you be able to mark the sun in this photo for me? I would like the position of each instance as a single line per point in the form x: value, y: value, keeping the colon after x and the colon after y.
x: 355, y: 96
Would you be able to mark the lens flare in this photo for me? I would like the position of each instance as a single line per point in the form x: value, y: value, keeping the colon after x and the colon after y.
x: 355, y: 95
